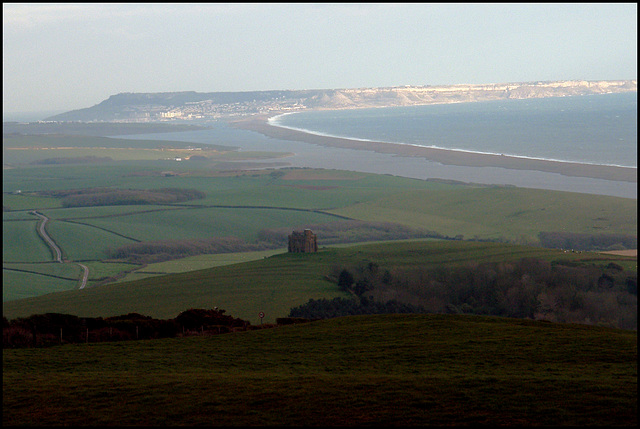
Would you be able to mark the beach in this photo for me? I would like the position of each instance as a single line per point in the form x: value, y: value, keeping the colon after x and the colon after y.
x: 260, y: 124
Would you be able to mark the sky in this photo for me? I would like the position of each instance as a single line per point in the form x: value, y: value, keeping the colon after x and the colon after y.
x: 64, y: 56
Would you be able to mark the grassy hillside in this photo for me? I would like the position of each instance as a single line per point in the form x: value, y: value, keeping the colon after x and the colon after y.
x: 19, y: 284
x: 275, y: 284
x: 367, y: 370
x: 500, y: 212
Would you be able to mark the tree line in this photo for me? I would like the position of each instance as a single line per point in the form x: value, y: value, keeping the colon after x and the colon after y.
x: 49, y: 329
x: 585, y: 242
x: 529, y: 288
x: 148, y: 252
x: 89, y: 159
x: 345, y: 231
x: 350, y: 231
x: 90, y: 197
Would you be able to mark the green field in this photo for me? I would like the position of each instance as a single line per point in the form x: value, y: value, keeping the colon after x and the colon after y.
x: 495, y: 212
x: 80, y: 242
x: 193, y: 223
x: 21, y: 242
x: 80, y: 213
x: 247, y: 204
x: 17, y: 285
x: 393, y: 370
x: 275, y: 284
x: 26, y: 202
x: 244, y: 289
x: 194, y: 263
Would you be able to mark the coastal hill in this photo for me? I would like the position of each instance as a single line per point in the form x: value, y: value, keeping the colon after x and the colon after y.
x: 191, y: 105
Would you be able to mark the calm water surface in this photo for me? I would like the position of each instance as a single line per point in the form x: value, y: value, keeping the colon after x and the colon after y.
x: 596, y: 129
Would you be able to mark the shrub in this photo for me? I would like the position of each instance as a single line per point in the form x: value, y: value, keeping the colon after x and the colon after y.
x: 53, y: 328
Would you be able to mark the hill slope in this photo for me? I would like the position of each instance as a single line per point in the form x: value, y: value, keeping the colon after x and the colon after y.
x: 276, y: 284
x: 385, y: 370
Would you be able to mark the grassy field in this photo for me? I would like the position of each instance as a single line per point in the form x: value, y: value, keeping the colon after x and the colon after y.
x: 17, y: 285
x: 275, y: 284
x: 199, y: 262
x: 193, y: 223
x: 21, y: 242
x: 242, y: 203
x: 393, y: 370
x: 81, y: 213
x: 26, y: 202
x: 82, y: 242
x: 35, y: 279
x: 500, y: 212
x: 244, y: 289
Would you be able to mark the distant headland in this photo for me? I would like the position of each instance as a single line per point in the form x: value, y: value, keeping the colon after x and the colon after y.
x: 191, y: 105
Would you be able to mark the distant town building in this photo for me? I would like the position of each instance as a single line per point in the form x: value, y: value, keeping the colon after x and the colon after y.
x: 303, y: 242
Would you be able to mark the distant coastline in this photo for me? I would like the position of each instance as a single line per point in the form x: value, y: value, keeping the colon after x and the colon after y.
x: 265, y: 125
x: 196, y: 106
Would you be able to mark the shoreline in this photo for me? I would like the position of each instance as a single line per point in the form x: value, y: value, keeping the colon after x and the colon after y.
x: 260, y: 124
x: 270, y: 121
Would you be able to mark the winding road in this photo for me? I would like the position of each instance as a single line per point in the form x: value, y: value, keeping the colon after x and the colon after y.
x: 47, y: 239
x: 56, y: 250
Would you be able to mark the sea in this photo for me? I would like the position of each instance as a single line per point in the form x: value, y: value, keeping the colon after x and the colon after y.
x: 593, y: 129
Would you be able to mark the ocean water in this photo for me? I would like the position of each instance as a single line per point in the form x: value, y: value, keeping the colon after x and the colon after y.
x: 594, y: 129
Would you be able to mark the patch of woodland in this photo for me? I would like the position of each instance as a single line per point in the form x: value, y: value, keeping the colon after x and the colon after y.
x: 347, y: 231
x: 350, y: 231
x: 49, y: 329
x: 587, y: 242
x: 529, y: 288
x: 148, y: 252
x: 90, y: 197
x: 73, y: 160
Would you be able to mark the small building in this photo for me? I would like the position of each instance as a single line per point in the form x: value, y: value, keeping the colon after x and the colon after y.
x: 303, y: 242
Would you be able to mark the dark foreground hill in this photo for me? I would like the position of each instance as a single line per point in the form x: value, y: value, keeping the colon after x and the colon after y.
x: 393, y: 370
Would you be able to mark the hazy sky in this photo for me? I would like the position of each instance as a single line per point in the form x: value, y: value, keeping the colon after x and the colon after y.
x: 67, y: 56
